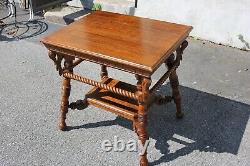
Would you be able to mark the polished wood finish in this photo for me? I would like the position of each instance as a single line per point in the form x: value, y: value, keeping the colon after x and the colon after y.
x: 141, y: 121
x: 137, y: 45
x: 174, y: 82
x: 121, y: 105
x: 66, y: 87
x: 100, y: 85
x: 128, y: 43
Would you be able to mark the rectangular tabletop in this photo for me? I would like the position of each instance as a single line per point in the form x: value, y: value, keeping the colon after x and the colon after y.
x: 138, y: 45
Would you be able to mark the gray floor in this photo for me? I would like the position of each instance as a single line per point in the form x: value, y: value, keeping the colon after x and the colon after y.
x: 216, y: 99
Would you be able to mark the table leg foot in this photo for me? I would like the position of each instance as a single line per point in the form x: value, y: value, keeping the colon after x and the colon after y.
x: 64, y: 103
x: 63, y: 126
x: 179, y: 115
x: 144, y: 161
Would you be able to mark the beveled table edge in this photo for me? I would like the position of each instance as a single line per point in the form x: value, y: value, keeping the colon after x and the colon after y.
x: 111, y: 61
x: 134, y: 69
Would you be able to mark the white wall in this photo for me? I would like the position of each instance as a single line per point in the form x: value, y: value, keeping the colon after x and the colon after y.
x: 221, y: 21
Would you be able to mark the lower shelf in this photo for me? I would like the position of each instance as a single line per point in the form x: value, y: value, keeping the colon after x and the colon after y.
x: 120, y: 105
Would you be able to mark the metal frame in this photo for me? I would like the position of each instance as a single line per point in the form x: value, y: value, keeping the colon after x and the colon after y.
x: 11, y: 8
x: 33, y: 8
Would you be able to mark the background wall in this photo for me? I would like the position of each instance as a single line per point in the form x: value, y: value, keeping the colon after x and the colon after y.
x: 221, y: 21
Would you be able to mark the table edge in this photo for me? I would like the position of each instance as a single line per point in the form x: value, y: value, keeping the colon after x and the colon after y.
x: 170, y: 51
x: 128, y: 67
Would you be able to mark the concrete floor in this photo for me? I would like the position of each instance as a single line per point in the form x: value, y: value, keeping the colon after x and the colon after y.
x: 216, y: 99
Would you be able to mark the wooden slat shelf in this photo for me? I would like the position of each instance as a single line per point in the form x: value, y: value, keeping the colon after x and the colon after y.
x: 120, y: 105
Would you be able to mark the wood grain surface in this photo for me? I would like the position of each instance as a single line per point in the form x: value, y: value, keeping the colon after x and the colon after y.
x: 138, y: 45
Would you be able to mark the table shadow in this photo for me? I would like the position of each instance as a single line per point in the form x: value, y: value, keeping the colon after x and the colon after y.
x: 70, y: 18
x: 22, y: 30
x: 211, y: 124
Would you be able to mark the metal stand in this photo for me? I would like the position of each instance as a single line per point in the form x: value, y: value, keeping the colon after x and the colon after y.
x: 27, y: 4
x: 30, y: 10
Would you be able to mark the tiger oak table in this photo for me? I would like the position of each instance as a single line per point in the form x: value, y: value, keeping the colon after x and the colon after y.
x: 128, y: 43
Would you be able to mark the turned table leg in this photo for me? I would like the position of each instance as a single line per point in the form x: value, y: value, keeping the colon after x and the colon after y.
x: 141, y: 121
x: 65, y: 95
x: 174, y: 82
x: 139, y: 89
x: 104, y: 72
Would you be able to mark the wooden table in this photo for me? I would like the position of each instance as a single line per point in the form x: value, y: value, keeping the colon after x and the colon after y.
x: 131, y: 44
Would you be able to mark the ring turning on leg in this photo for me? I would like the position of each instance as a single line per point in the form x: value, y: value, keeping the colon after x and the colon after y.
x: 65, y: 94
x: 141, y: 121
x: 174, y: 82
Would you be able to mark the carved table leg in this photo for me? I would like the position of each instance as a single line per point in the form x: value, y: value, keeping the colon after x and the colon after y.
x: 65, y: 94
x: 104, y: 72
x: 174, y: 82
x: 141, y: 122
x: 139, y: 89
